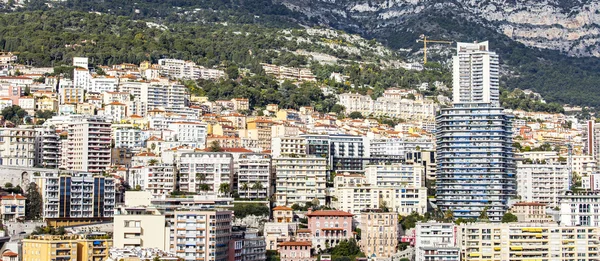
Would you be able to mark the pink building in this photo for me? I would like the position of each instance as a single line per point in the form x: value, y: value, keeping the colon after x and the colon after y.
x: 295, y: 251
x: 329, y: 227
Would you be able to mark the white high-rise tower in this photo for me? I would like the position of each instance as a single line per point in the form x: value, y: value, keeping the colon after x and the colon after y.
x: 476, y: 74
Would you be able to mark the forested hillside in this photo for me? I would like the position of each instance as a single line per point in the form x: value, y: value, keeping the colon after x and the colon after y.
x: 245, y: 33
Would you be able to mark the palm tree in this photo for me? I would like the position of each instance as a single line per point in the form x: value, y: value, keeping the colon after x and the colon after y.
x: 257, y: 186
x: 224, y: 188
x: 200, y: 179
x: 246, y: 188
x: 152, y: 162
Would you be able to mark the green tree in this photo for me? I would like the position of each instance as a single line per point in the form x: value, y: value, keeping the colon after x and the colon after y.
x: 232, y: 72
x: 46, y: 114
x: 34, y: 203
x: 509, y: 217
x: 241, y: 210
x: 356, y: 115
x: 14, y: 114
x: 215, y: 146
x: 8, y: 185
x: 483, y: 216
x: 224, y: 188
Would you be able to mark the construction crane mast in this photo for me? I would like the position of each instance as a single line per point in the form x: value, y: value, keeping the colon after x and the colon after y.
x: 425, y: 41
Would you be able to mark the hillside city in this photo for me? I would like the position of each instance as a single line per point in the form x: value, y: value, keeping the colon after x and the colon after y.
x: 132, y: 162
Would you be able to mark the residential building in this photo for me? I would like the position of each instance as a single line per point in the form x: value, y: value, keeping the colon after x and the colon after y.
x: 382, y: 147
x: 128, y: 138
x: 189, y: 132
x: 295, y: 251
x: 66, y: 247
x: 436, y: 241
x: 476, y: 74
x: 591, y: 182
x: 389, y: 105
x: 205, y: 171
x: 542, y: 182
x: 102, y: 84
x: 253, y: 176
x: 379, y: 233
x: 88, y: 144
x: 288, y: 146
x: 159, y: 95
x: 329, y: 227
x: 12, y: 207
x: 139, y: 226
x: 159, y: 179
x: 282, y: 229
x: 246, y: 245
x: 475, y: 160
x: 531, y: 212
x: 531, y: 241
x: 115, y: 111
x: 580, y: 209
x: 300, y: 180
x: 17, y: 147
x: 260, y: 130
x: 70, y: 95
x: 80, y: 198
x: 81, y: 78
x: 201, y: 235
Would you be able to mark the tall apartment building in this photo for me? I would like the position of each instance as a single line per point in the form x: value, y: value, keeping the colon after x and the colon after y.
x: 205, y: 171
x: 88, y: 144
x: 300, y: 180
x: 47, y: 148
x: 253, y: 176
x: 17, y: 147
x: 76, y: 199
x: 379, y: 233
x: 81, y: 78
x: 542, y: 182
x: 475, y: 160
x: 202, y: 235
x: 382, y: 147
x: 260, y: 130
x: 436, y: 241
x: 189, y: 132
x: 158, y: 179
x: 580, y: 209
x: 128, y: 138
x: 476, y: 74
x: 530, y: 241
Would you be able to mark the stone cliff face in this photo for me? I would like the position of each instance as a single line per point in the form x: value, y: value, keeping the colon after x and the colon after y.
x: 570, y: 26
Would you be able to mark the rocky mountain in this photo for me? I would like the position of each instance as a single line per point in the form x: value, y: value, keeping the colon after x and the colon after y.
x: 568, y: 26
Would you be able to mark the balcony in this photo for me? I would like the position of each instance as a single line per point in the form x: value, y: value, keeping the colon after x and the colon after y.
x: 132, y: 230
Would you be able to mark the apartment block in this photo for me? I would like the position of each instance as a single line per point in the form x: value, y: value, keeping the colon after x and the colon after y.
x: 17, y: 147
x: 531, y: 241
x: 246, y: 245
x: 128, y: 138
x: 542, y: 182
x: 475, y: 160
x: 382, y: 147
x: 205, y: 171
x: 189, y: 132
x: 288, y: 146
x: 476, y: 74
x: 436, y: 242
x: 86, y: 247
x: 300, y: 180
x: 76, y: 199
x: 158, y: 95
x: 253, y: 176
x: 531, y: 212
x: 88, y: 144
x: 379, y: 233
x: 70, y: 95
x: 201, y: 235
x: 580, y: 209
x: 139, y: 226
x: 282, y: 229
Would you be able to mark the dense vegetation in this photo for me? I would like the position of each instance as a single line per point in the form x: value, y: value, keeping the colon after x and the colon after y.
x: 518, y: 100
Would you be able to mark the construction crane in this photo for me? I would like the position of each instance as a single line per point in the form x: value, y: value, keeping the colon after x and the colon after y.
x: 425, y: 41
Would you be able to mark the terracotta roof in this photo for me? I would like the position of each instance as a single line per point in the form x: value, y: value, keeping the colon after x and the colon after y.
x: 303, y: 230
x: 292, y: 243
x: 332, y: 228
x: 282, y: 208
x: 9, y: 253
x: 13, y: 197
x: 322, y: 213
x: 154, y: 138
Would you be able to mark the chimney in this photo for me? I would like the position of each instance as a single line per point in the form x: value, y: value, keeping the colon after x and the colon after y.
x: 309, y: 211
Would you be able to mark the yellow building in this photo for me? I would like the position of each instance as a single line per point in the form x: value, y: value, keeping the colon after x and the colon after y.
x: 66, y: 247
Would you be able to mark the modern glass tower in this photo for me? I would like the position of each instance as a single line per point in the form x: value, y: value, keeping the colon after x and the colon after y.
x: 476, y: 169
